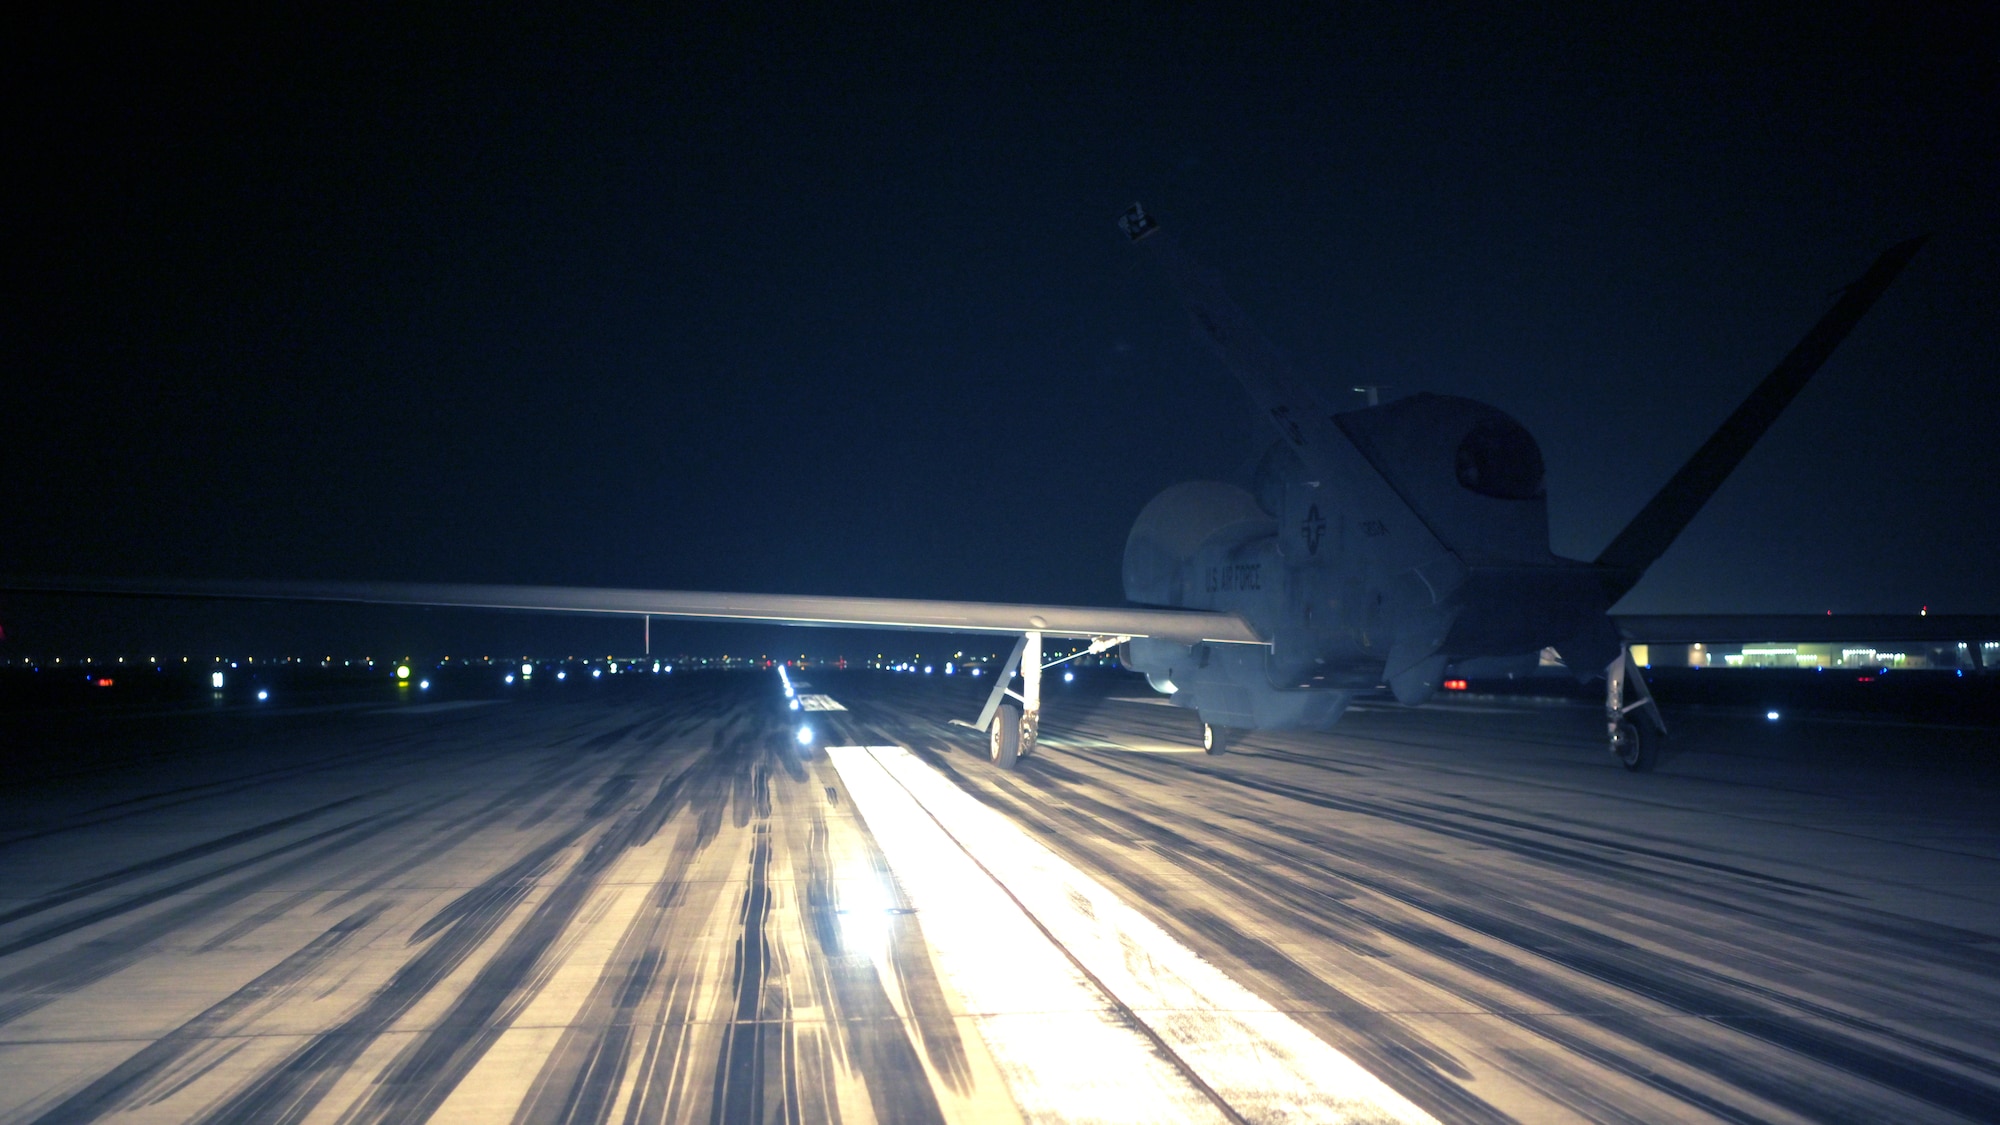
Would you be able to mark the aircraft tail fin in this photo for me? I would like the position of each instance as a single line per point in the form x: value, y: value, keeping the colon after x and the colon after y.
x: 1656, y: 526
x: 1275, y: 389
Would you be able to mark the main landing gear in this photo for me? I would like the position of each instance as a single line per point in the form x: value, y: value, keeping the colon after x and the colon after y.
x: 1636, y: 728
x: 1011, y: 729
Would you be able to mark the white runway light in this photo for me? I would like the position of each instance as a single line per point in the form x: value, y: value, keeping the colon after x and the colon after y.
x: 805, y: 736
x: 1258, y: 1061
x: 263, y: 695
x: 1771, y: 715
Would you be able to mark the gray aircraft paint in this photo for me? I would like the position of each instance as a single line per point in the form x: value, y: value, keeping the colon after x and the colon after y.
x: 1385, y: 546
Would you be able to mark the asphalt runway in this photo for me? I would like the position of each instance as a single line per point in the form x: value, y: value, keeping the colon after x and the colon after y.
x: 647, y: 900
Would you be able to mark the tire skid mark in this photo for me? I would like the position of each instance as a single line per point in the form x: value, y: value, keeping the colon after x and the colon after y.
x: 90, y: 818
x: 1704, y: 991
x: 1389, y: 1049
x: 35, y: 986
x: 425, y: 1072
x: 1583, y: 952
x: 739, y: 1072
x: 1725, y: 1065
x: 581, y: 1077
x: 106, y: 881
x: 870, y: 1033
x: 292, y: 1089
x: 135, y: 1082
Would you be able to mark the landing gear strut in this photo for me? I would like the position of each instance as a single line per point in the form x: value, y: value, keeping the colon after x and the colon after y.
x: 1011, y: 730
x: 1635, y: 738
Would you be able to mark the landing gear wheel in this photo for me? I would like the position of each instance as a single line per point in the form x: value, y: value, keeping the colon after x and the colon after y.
x: 1031, y: 730
x: 1635, y: 747
x: 1216, y: 740
x: 1003, y: 741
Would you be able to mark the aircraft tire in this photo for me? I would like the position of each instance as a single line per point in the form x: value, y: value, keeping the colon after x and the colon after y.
x: 1215, y: 740
x: 1030, y: 737
x: 1003, y: 742
x: 1634, y: 746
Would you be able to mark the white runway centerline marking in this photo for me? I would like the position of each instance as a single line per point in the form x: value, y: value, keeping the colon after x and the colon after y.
x: 819, y: 703
x: 990, y: 899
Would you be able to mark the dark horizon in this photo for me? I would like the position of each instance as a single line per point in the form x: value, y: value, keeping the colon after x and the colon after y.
x: 836, y: 305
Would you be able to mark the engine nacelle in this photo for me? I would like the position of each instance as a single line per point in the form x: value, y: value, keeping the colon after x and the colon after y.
x: 1190, y: 522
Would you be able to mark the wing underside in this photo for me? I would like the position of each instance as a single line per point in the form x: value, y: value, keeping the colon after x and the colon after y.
x: 1184, y: 626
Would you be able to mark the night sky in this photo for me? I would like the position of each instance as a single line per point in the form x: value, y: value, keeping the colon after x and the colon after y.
x: 831, y: 301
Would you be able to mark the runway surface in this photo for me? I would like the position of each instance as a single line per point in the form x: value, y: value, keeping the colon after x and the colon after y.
x: 648, y: 900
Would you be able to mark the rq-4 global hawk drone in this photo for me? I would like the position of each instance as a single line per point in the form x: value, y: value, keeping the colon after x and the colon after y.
x: 1391, y: 546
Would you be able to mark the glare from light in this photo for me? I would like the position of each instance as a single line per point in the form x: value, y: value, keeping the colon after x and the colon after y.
x: 402, y: 671
x: 510, y: 677
x: 1069, y: 677
x: 562, y: 675
x: 1771, y: 715
x: 656, y: 666
x: 927, y: 669
x: 424, y: 685
x: 261, y: 694
x: 947, y: 668
x: 795, y: 704
x: 975, y: 673
x: 805, y: 736
x: 215, y: 679
x: 527, y: 670
x: 595, y: 673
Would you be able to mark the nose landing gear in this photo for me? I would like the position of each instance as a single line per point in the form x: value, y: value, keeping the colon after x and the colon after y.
x: 1216, y: 740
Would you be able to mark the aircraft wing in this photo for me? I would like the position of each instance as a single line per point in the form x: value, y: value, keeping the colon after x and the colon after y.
x: 1734, y: 628
x: 1183, y: 626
